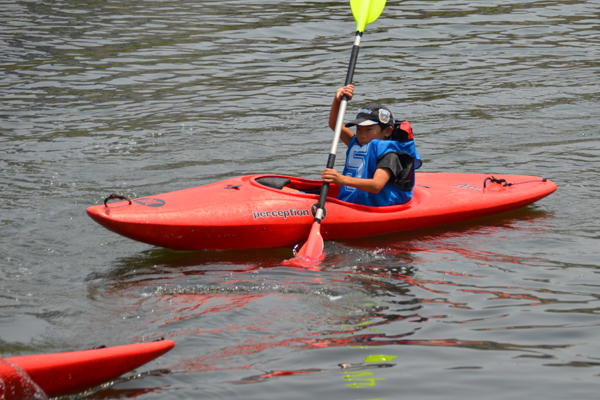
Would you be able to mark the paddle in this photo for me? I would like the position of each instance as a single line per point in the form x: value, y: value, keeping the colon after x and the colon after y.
x: 364, y: 12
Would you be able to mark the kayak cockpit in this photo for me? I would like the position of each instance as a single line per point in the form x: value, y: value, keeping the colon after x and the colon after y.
x: 291, y: 184
x: 311, y: 188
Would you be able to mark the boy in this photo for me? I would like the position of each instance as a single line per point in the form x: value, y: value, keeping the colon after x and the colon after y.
x: 379, y: 171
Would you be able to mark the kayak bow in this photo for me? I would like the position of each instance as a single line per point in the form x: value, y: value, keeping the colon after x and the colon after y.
x: 58, y: 374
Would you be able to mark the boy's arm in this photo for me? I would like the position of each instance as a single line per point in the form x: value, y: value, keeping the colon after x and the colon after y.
x: 346, y: 134
x: 373, y: 185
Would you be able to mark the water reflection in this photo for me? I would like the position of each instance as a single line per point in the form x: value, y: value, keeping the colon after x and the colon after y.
x: 347, y: 369
x: 358, y: 306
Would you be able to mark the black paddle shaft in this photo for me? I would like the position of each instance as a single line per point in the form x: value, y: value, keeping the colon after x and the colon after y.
x: 331, y: 159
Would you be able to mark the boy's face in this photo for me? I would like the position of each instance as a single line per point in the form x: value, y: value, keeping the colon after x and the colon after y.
x: 364, y: 134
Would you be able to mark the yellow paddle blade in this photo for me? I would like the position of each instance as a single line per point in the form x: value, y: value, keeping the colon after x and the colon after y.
x: 366, y: 11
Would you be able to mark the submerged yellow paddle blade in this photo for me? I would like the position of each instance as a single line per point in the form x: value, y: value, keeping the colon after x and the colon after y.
x: 366, y: 11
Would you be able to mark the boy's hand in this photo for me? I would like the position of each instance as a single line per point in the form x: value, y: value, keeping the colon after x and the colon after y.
x: 346, y: 90
x: 332, y: 176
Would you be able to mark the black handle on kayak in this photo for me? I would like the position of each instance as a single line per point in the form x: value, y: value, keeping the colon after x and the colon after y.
x: 116, y: 196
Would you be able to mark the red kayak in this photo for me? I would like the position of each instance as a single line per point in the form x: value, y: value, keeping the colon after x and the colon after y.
x: 253, y: 212
x: 58, y: 374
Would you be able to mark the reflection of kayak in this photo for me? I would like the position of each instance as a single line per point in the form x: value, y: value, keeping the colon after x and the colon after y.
x: 61, y: 373
x: 252, y: 212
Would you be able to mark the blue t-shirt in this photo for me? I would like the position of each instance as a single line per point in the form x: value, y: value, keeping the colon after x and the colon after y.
x: 361, y: 162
